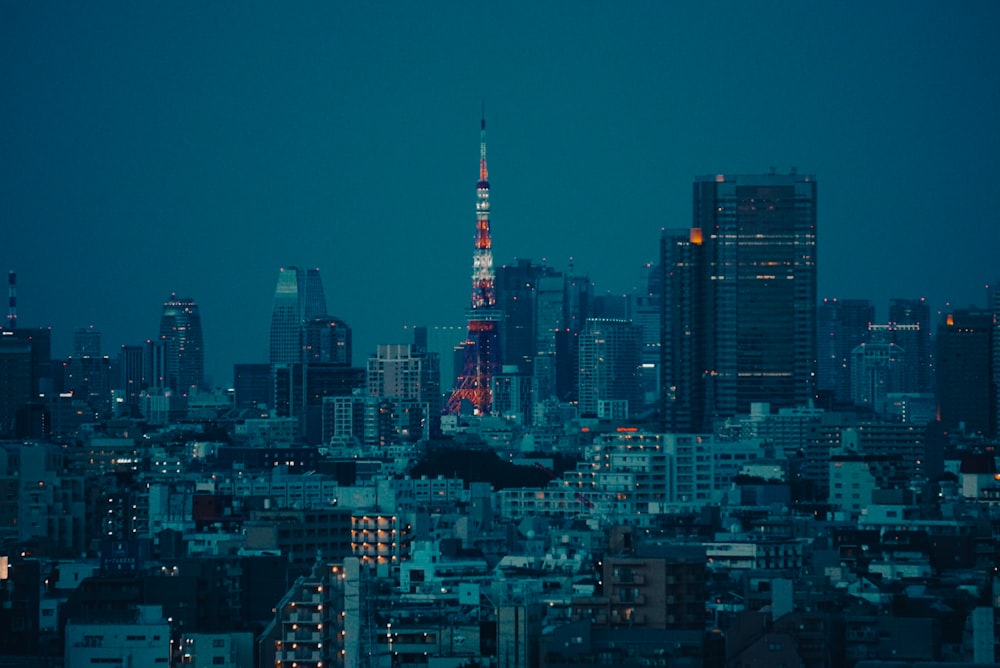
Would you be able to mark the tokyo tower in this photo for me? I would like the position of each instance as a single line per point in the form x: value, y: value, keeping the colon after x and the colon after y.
x: 473, y: 386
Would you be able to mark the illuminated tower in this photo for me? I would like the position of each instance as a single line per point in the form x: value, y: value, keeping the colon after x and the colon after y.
x: 482, y: 345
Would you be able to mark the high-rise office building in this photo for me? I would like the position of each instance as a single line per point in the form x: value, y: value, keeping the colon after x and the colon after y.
x: 740, y: 293
x: 90, y: 380
x: 184, y: 354
x: 966, y: 392
x: 842, y: 326
x: 86, y: 342
x: 15, y: 379
x: 298, y: 298
x: 911, y: 319
x: 876, y: 371
x: 563, y: 302
x: 907, y: 366
x: 517, y: 291
x: 39, y: 341
x: 609, y: 368
x: 646, y: 314
x: 994, y: 297
x: 131, y: 381
x: 326, y: 340
x: 154, y: 365
x: 512, y: 394
x: 682, y: 390
x: 253, y: 386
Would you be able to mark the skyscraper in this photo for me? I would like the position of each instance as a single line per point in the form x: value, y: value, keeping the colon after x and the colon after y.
x: 253, y: 385
x: 184, y: 354
x: 682, y: 390
x: 842, y: 327
x: 876, y: 371
x: 482, y: 345
x: 966, y: 392
x: 646, y: 314
x: 131, y: 380
x: 298, y: 298
x: 747, y: 298
x: 994, y: 297
x: 15, y: 379
x: 86, y: 342
x: 517, y: 288
x: 609, y: 367
x: 911, y: 319
x: 326, y: 340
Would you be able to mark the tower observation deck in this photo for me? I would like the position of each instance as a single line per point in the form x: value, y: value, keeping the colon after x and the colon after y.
x: 473, y: 386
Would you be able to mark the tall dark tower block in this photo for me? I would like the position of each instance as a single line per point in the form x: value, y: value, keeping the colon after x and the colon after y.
x: 995, y: 360
x: 15, y: 379
x: 759, y: 288
x: 911, y: 323
x: 740, y: 297
x: 682, y: 365
x: 11, y: 301
x: 253, y: 385
x: 516, y: 288
x: 184, y: 353
x: 482, y: 345
x: 131, y: 380
x: 966, y: 393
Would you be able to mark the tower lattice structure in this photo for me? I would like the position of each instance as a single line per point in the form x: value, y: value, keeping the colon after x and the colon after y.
x: 482, y: 345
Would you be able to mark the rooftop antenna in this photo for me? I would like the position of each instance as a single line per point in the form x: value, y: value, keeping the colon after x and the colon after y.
x: 12, y: 307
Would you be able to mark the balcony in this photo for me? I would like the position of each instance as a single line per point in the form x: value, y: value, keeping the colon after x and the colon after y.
x: 300, y: 654
x: 305, y: 616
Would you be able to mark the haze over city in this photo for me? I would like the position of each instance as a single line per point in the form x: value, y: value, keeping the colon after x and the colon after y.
x: 195, y: 149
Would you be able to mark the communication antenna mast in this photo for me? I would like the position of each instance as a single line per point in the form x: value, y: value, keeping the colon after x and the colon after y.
x: 12, y: 307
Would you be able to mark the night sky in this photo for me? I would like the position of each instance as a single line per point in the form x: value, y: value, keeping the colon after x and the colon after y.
x: 157, y: 147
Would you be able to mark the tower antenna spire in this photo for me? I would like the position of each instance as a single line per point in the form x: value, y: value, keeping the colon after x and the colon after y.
x: 12, y: 300
x: 484, y: 174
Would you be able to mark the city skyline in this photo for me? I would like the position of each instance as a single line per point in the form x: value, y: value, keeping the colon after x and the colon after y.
x: 152, y: 150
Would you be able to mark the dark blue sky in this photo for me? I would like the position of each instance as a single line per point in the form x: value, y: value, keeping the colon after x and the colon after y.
x: 150, y: 148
